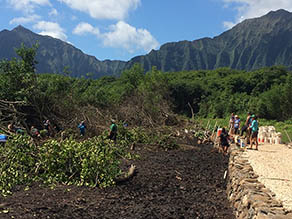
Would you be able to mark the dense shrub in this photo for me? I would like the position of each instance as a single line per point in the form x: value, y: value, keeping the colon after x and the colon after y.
x: 92, y: 162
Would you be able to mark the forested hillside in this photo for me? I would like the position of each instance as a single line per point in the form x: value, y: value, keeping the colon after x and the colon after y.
x: 150, y: 110
x: 252, y: 44
x: 148, y: 98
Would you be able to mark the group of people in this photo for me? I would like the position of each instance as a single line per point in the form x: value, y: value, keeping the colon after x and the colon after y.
x: 113, y: 130
x: 250, y: 128
x: 48, y: 130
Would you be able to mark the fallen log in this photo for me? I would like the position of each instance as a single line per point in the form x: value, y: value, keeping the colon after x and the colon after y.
x: 127, y: 176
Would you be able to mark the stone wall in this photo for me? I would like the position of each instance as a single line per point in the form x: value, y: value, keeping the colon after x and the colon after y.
x: 250, y: 198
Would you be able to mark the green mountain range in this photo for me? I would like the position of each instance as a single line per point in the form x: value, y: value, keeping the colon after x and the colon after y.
x: 252, y: 44
x: 54, y: 55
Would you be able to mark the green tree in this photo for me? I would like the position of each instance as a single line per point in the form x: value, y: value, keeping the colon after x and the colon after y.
x: 18, y: 79
x: 154, y: 90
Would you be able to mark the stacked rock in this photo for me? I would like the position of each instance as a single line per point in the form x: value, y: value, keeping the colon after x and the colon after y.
x: 268, y: 135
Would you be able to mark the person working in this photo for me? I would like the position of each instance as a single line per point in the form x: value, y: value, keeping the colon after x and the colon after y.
x: 82, y: 128
x: 34, y: 132
x: 231, y: 124
x: 236, y: 125
x: 224, y: 137
x: 113, y: 131
x: 254, y: 132
x: 245, y: 127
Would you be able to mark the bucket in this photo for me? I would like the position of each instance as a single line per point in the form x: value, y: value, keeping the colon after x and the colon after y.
x: 219, y: 131
x: 278, y: 140
x: 242, y: 145
x: 3, y: 138
x: 261, y: 140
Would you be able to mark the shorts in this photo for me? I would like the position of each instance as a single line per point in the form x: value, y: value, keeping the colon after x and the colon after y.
x: 113, y: 136
x: 254, y: 134
x: 224, y: 144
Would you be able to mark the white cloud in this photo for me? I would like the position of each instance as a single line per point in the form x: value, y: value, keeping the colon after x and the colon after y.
x: 122, y: 35
x: 53, y: 12
x: 83, y: 28
x: 27, y: 6
x: 256, y: 8
x: 51, y: 29
x: 104, y: 9
x: 24, y: 20
x: 228, y: 24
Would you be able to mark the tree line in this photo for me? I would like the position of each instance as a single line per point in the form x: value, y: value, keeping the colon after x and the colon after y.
x: 210, y: 93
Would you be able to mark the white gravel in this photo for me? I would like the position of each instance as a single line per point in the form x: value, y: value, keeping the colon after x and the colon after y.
x: 273, y: 164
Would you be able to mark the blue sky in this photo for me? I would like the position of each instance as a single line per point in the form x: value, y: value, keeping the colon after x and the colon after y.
x: 122, y: 29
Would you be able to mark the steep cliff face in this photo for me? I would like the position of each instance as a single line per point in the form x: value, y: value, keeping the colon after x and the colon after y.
x: 252, y: 44
x: 54, y: 55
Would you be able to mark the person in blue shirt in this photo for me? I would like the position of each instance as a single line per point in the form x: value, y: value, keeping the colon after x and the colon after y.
x: 82, y: 128
x: 254, y: 127
x: 236, y: 124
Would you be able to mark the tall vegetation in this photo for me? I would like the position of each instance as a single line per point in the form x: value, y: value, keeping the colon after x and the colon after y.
x: 138, y: 98
x: 211, y: 93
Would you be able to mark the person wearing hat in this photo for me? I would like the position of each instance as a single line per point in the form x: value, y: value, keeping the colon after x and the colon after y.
x: 113, y: 131
x: 236, y: 124
x: 254, y: 127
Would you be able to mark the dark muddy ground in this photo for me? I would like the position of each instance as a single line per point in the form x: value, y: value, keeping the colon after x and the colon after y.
x: 184, y: 183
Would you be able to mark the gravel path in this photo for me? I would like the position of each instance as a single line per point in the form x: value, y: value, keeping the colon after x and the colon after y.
x: 273, y: 164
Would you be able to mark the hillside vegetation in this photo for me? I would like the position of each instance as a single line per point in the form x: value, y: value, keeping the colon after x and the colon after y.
x: 152, y: 100
x: 144, y: 99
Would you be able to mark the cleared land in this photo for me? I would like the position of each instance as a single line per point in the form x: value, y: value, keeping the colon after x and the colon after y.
x: 183, y: 183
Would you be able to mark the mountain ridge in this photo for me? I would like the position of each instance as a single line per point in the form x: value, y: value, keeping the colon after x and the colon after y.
x: 249, y: 45
x: 52, y: 51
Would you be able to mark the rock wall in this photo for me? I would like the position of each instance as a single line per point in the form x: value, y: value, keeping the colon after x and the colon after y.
x: 250, y: 198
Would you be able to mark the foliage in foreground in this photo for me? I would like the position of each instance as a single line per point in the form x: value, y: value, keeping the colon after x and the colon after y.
x: 93, y: 162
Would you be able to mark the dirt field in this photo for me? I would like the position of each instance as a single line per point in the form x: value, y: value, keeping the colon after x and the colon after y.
x: 184, y: 183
